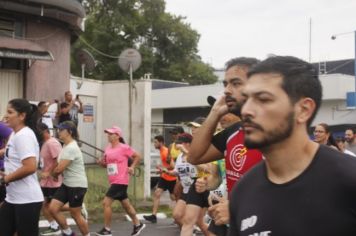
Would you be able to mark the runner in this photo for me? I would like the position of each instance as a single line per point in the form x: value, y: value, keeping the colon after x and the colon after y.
x: 187, y: 174
x: 166, y: 181
x: 49, y: 153
x: 21, y: 209
x: 116, y: 157
x: 229, y: 143
x: 197, y: 203
x: 75, y: 183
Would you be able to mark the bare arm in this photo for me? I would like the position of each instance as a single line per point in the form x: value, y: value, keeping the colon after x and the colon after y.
x: 136, y: 159
x: 29, y: 166
x: 201, y: 150
x: 80, y: 108
x: 45, y: 174
x: 62, y: 165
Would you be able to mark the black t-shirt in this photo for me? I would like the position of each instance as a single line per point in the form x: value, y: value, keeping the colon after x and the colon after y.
x: 319, y: 202
x: 219, y: 140
x: 64, y: 117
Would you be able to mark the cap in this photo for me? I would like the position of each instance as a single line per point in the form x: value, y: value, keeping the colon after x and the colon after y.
x: 184, y: 138
x: 66, y: 125
x: 114, y: 130
x: 197, y: 122
x: 177, y: 130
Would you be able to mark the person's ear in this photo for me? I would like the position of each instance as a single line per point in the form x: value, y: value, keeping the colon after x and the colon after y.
x: 304, y: 109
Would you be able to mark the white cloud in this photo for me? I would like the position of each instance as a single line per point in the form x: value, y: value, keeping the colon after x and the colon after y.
x: 231, y: 28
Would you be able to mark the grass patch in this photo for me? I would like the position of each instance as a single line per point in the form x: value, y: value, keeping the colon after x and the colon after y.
x: 98, y: 185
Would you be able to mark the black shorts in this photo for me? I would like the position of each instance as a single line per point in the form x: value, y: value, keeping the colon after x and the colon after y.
x: 48, y: 193
x: 218, y: 230
x: 20, y: 218
x: 2, y: 193
x: 184, y: 197
x: 198, y: 199
x: 75, y: 196
x: 166, y: 185
x: 117, y: 192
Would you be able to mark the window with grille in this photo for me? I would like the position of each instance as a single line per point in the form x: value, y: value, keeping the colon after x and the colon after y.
x: 7, y: 27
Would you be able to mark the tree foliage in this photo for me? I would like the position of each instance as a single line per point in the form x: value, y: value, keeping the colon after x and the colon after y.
x: 168, y: 45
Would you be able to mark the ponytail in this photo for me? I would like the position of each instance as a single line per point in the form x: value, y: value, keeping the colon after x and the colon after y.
x: 122, y: 140
x: 32, y: 116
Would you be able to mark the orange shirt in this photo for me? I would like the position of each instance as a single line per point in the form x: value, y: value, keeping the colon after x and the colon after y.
x: 164, y: 154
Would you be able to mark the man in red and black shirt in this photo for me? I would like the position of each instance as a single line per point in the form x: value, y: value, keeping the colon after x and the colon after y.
x: 229, y: 143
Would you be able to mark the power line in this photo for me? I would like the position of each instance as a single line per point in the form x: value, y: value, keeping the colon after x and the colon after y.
x: 97, y: 50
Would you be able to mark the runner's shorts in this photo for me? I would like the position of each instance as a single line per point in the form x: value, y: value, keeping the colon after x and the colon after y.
x: 73, y: 195
x: 48, y: 193
x: 198, y: 199
x: 117, y: 192
x: 166, y: 185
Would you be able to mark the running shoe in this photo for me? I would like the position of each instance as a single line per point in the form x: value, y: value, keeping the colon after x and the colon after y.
x: 151, y: 218
x: 50, y: 231
x: 137, y: 229
x: 104, y: 232
x: 72, y: 234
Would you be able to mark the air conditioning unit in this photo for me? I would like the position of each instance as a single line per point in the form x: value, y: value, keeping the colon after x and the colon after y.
x: 351, y: 100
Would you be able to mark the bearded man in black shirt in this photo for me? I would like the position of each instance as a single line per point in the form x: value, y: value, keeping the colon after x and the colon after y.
x: 302, y: 188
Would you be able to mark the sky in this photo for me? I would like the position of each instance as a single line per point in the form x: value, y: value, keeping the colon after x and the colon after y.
x: 258, y: 28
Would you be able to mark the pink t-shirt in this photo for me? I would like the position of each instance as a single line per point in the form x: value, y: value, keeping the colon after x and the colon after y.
x: 49, y: 153
x: 116, y: 159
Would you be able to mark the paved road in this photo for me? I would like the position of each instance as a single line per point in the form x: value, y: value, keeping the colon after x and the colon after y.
x: 163, y: 227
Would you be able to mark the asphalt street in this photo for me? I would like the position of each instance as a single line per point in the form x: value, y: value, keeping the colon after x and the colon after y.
x: 163, y: 227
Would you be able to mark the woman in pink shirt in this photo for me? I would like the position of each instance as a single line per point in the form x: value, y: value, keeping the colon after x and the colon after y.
x: 116, y: 159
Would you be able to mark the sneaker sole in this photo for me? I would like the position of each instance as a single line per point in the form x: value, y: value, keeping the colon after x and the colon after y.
x: 51, y: 234
x: 144, y: 226
x: 103, y: 234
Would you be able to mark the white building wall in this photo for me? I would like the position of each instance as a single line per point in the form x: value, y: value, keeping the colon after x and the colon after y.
x: 157, y: 116
x: 91, y: 88
x: 113, y: 109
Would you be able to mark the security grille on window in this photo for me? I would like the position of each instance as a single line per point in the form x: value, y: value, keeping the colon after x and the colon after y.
x: 7, y: 28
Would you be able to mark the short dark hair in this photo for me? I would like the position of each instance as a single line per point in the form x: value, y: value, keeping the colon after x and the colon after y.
x: 241, y: 61
x: 352, y: 129
x: 159, y: 138
x: 41, y: 103
x: 300, y: 78
x: 63, y: 105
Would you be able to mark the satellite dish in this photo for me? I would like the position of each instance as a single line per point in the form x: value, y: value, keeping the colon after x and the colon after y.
x: 86, y: 61
x: 130, y: 57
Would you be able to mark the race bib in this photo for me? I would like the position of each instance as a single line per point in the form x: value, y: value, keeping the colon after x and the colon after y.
x: 112, y: 169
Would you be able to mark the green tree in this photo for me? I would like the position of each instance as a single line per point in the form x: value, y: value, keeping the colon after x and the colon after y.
x: 168, y: 45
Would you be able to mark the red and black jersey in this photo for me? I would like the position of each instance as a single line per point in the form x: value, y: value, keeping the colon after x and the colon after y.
x: 238, y: 159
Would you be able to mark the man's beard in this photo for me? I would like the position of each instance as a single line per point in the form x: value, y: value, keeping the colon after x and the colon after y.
x: 272, y: 136
x: 236, y: 109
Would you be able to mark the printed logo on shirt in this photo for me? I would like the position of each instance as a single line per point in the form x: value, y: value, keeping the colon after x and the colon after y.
x: 251, y: 222
x: 238, y: 157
